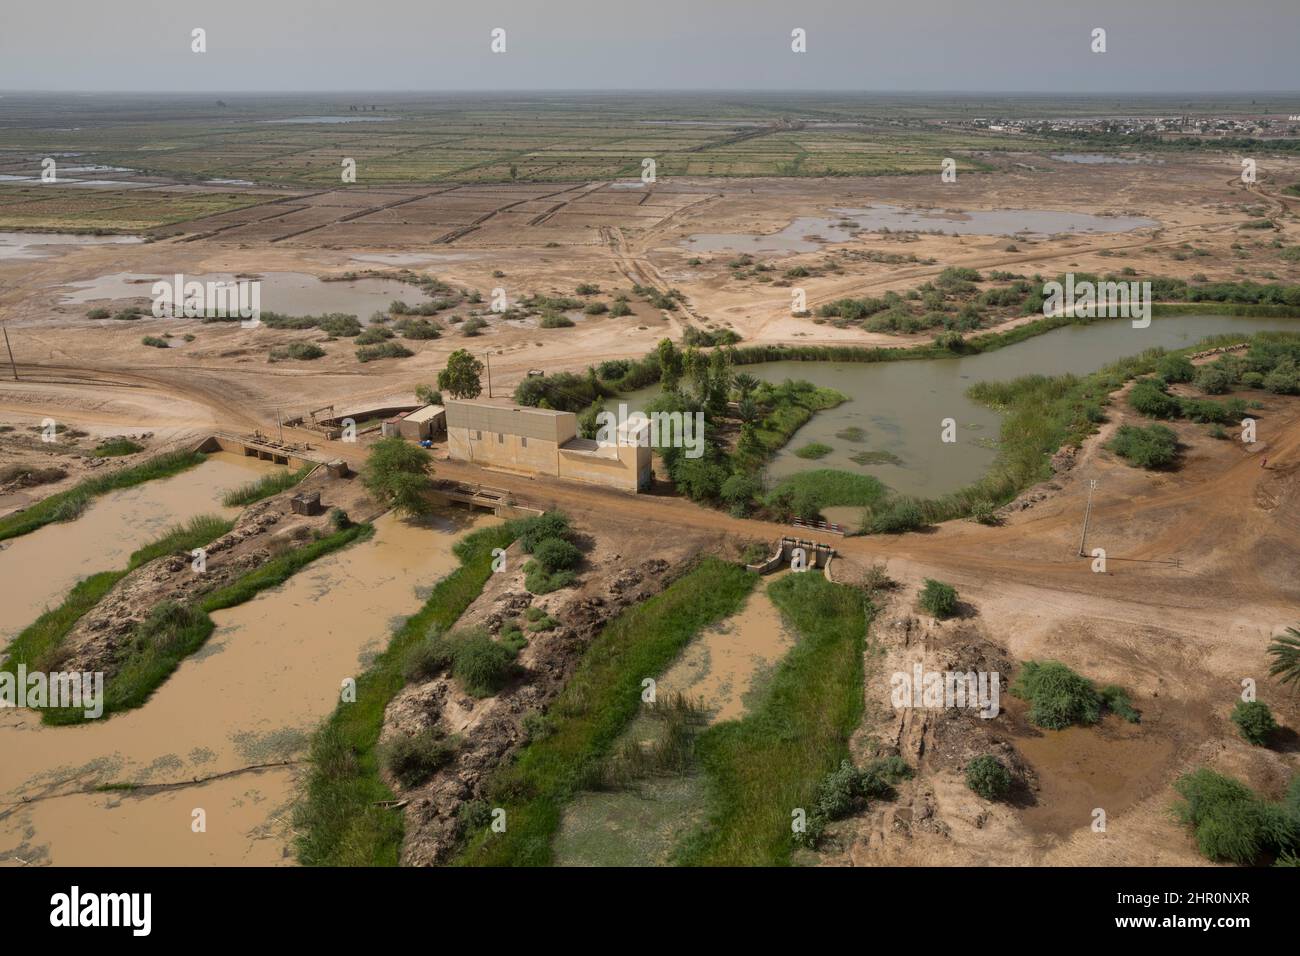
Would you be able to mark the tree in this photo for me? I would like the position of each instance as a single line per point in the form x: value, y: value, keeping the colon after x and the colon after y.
x: 670, y: 365
x: 1286, y: 657
x: 427, y: 395
x: 397, y: 473
x: 461, y: 376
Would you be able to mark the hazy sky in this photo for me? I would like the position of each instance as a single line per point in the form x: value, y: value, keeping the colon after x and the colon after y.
x: 976, y: 45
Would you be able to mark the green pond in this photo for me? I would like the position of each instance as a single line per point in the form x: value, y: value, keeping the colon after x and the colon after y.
x: 899, y: 407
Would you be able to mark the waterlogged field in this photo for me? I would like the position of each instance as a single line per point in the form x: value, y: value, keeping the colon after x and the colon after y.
x: 39, y: 568
x: 237, y: 713
x: 408, y: 139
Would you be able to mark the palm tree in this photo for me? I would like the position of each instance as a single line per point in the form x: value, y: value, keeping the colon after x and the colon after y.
x: 745, y: 383
x: 1286, y: 657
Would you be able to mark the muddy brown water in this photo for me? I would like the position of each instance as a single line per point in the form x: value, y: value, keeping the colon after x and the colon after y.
x: 37, y: 570
x: 721, y: 666
x: 270, y: 673
x: 1113, y: 766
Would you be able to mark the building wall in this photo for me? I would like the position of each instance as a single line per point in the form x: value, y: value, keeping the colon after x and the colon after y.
x: 630, y: 470
x: 502, y: 450
x: 539, y: 449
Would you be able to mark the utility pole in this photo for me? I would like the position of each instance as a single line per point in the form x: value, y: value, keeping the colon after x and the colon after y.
x: 1092, y: 483
x: 488, y: 356
x: 12, y: 366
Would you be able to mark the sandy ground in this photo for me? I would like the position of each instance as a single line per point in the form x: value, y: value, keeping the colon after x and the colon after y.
x: 1202, y: 561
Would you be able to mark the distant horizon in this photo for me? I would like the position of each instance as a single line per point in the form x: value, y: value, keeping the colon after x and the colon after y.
x: 649, y: 91
x: 1105, y: 47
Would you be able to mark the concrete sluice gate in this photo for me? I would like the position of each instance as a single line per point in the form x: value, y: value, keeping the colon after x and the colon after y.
x: 815, y: 555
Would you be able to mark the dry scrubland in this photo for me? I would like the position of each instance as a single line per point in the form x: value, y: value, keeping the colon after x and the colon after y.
x: 436, y: 195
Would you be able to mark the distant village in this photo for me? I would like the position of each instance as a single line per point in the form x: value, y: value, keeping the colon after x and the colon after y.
x: 1228, y: 126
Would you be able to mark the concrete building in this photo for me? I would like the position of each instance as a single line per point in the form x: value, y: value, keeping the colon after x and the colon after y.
x: 427, y: 422
x: 545, y: 442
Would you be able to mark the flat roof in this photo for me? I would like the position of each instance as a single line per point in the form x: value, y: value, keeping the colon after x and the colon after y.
x: 427, y: 413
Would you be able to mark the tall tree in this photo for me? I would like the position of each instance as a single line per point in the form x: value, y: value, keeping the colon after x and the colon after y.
x: 397, y: 473
x: 670, y: 365
x: 461, y: 376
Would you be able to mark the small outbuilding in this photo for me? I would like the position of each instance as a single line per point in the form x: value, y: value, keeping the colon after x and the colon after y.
x: 424, y: 423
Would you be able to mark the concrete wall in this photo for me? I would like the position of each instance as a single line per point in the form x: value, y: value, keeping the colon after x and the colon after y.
x: 628, y: 468
x: 502, y: 450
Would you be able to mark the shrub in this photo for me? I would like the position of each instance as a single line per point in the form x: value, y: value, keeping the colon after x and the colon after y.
x: 300, y: 351
x: 553, y: 320
x: 938, y: 598
x: 1154, y: 446
x: 116, y: 447
x: 987, y: 776
x: 557, y: 554
x: 1229, y: 821
x: 481, y: 665
x: 421, y: 329
x: 894, y: 517
x: 1058, y: 697
x: 1117, y: 702
x: 846, y: 790
x: 414, y: 759
x: 1214, y: 379
x: 371, y: 353
x: 155, y: 342
x: 1176, y: 368
x: 1255, y: 721
x: 1148, y: 396
x: 552, y: 524
x: 983, y: 512
x: 429, y: 658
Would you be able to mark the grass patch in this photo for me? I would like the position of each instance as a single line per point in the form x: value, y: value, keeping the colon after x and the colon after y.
x: 875, y: 458
x: 814, y: 450
x: 338, y: 823
x: 773, y: 761
x: 116, y: 447
x: 69, y: 505
x: 594, y: 708
x: 827, y: 487
x: 264, y: 487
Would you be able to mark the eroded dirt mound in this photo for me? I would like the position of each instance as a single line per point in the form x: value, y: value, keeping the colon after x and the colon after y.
x: 490, y: 730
